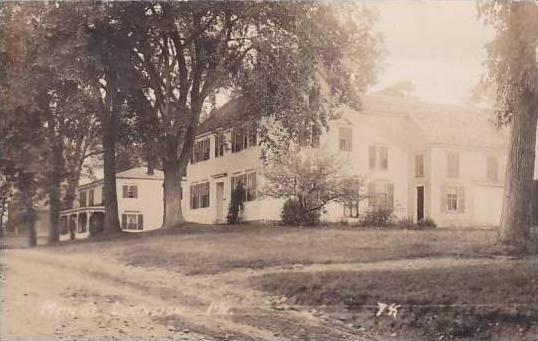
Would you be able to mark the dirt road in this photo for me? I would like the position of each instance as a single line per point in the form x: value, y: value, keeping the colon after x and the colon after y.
x: 49, y: 293
x: 46, y: 293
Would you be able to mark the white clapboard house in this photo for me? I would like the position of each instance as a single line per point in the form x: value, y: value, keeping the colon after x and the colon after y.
x: 140, y: 204
x: 424, y: 160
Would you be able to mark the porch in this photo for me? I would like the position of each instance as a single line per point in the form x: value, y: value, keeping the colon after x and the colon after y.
x: 80, y: 222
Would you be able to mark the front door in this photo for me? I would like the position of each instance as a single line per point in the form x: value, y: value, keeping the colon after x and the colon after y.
x: 220, y: 202
x: 420, y: 203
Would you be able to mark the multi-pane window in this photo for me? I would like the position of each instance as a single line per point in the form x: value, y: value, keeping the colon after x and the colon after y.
x: 381, y: 195
x: 132, y: 221
x: 82, y: 199
x: 200, y: 151
x: 247, y: 183
x: 419, y: 165
x: 453, y: 165
x: 130, y: 191
x: 220, y: 144
x: 453, y: 199
x: 91, y: 197
x: 345, y: 139
x: 493, y: 169
x: 351, y: 210
x: 200, y: 195
x: 378, y: 157
x: 244, y: 137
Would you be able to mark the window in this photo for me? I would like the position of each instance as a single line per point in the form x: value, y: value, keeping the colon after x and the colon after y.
x: 493, y: 169
x: 345, y: 138
x: 419, y: 165
x: 132, y: 221
x: 453, y: 165
x: 220, y: 143
x: 351, y: 210
x: 248, y: 185
x: 91, y: 197
x: 243, y: 138
x: 453, y: 199
x: 200, y: 151
x: 381, y: 195
x: 130, y: 191
x: 200, y: 195
x: 82, y: 198
x: 378, y: 157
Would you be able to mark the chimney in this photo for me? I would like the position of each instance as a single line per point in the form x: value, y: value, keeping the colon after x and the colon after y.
x: 150, y: 168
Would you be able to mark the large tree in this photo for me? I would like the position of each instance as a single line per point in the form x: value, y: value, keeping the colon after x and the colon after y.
x: 278, y: 53
x: 85, y: 45
x: 513, y: 69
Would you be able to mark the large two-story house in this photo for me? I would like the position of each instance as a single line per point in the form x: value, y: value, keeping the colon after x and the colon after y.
x: 423, y: 160
x: 140, y: 204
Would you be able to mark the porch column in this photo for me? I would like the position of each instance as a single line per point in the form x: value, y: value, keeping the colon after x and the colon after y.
x: 88, y: 217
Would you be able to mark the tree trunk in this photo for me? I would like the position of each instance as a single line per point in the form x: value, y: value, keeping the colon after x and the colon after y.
x: 56, y: 178
x: 26, y: 188
x: 516, y: 213
x: 112, y: 222
x: 173, y: 171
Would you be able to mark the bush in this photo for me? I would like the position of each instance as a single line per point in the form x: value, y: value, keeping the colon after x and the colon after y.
x: 235, y: 207
x: 293, y: 213
x: 426, y: 223
x: 379, y: 217
x: 406, y: 223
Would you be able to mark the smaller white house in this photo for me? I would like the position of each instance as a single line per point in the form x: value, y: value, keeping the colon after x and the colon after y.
x: 140, y: 204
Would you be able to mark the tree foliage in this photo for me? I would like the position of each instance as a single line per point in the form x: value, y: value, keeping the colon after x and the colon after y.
x: 313, y: 180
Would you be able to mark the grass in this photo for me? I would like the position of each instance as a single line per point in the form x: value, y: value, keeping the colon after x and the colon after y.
x: 481, y: 302
x: 495, y: 300
x: 214, y: 249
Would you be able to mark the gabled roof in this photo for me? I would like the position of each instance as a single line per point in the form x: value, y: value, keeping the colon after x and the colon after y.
x: 133, y: 173
x: 438, y: 123
x: 234, y: 111
x: 140, y: 173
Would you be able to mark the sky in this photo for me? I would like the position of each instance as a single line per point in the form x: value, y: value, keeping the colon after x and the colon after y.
x: 437, y: 45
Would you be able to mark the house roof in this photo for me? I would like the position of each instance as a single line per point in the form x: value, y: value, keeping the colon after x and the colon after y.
x: 438, y: 123
x: 133, y: 173
x: 234, y: 111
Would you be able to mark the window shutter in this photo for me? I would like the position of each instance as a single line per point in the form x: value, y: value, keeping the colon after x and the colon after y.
x: 444, y: 199
x: 124, y: 221
x: 372, y: 157
x: 125, y: 191
x: 135, y: 191
x: 371, y: 194
x: 461, y: 199
x: 140, y: 221
x: 390, y: 191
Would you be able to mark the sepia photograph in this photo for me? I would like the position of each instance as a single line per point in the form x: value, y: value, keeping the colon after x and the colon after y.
x: 264, y: 170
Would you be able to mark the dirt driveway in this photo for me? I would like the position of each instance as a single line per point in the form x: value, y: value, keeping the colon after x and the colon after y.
x: 46, y: 292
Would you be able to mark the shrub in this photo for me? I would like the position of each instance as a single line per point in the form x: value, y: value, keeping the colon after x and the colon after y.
x: 293, y: 213
x: 426, y: 223
x: 236, y: 206
x: 406, y: 223
x: 379, y: 217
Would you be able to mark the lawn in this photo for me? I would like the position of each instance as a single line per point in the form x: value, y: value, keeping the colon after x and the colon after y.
x: 448, y: 282
x: 210, y: 249
x: 480, y: 302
